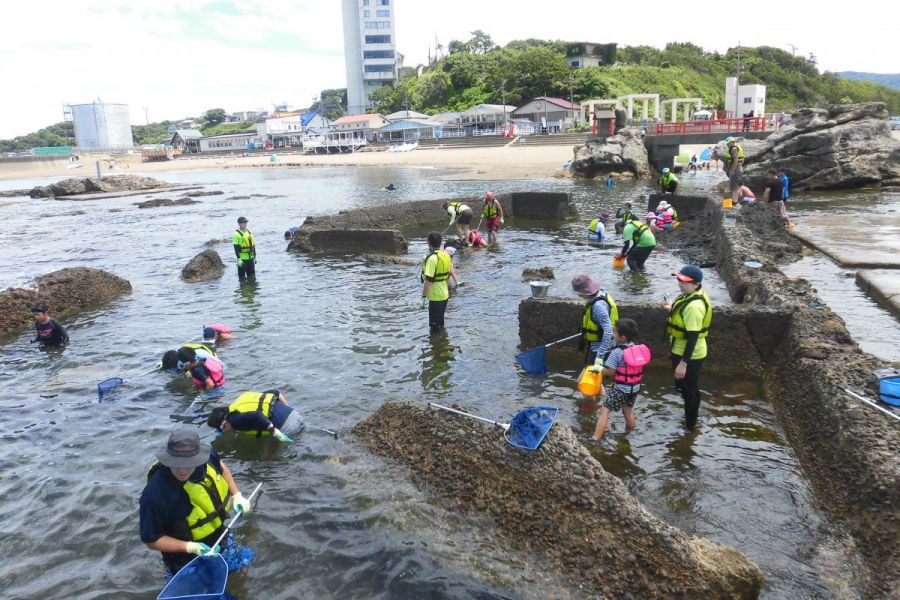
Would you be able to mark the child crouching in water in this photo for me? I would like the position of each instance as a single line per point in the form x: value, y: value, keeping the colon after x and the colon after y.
x: 625, y: 364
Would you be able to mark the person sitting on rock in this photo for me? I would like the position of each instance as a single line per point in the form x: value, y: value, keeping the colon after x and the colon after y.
x: 49, y: 331
x: 259, y: 414
x: 745, y: 195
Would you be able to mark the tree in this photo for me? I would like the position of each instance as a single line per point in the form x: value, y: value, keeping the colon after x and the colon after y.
x: 480, y: 42
x: 214, y: 116
x: 456, y: 46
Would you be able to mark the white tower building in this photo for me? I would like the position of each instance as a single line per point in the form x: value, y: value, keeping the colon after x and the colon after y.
x: 370, y: 53
x: 102, y: 126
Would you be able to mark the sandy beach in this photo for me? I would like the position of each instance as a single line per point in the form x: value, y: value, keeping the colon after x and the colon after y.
x: 519, y: 162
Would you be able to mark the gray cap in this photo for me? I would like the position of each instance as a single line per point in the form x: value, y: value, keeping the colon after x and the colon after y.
x: 184, y: 450
x: 242, y: 219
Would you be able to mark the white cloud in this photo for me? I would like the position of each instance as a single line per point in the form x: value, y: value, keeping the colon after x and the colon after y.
x: 181, y: 58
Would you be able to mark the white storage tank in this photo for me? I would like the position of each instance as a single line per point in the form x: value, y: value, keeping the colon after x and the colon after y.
x: 101, y: 126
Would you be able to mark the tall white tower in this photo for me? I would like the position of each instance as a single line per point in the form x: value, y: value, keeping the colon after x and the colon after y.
x: 370, y: 52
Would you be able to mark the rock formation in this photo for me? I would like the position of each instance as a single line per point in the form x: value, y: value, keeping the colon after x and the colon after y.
x: 166, y: 202
x: 206, y: 266
x: 86, y: 185
x: 842, y: 147
x: 621, y: 153
x: 558, y: 503
x: 67, y: 292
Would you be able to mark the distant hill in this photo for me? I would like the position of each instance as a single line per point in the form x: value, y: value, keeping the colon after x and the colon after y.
x: 891, y: 80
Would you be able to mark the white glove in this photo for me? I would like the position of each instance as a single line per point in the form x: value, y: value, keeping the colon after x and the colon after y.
x: 281, y: 436
x: 241, y: 504
x: 199, y: 548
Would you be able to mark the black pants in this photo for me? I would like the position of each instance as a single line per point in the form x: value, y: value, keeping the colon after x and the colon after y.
x: 671, y: 188
x: 689, y: 387
x: 636, y: 257
x: 248, y: 270
x: 436, y: 309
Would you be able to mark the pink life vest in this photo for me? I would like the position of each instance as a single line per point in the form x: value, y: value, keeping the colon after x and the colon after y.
x: 636, y: 358
x: 664, y: 217
x: 216, y: 371
x: 476, y: 240
x: 219, y: 328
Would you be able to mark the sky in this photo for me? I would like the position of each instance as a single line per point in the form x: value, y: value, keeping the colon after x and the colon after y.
x: 170, y: 59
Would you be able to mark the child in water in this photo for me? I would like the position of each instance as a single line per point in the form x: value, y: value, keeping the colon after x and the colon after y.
x: 216, y: 333
x: 475, y: 240
x: 49, y: 331
x: 207, y: 373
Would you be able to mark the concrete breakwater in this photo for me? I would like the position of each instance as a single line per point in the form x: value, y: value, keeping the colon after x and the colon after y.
x: 380, y: 229
x: 558, y: 503
x: 805, y: 356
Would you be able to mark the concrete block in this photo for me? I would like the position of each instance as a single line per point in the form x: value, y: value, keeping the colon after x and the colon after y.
x: 688, y: 207
x: 542, y: 205
x: 354, y: 241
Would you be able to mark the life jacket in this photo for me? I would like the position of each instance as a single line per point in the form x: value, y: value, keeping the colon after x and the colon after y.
x: 216, y: 371
x: 640, y: 228
x: 664, y: 218
x: 636, y: 356
x: 248, y: 245
x: 590, y: 330
x: 490, y: 210
x: 254, y: 402
x: 595, y: 226
x: 209, y: 501
x: 475, y: 239
x: 201, y: 347
x: 668, y: 178
x: 675, y: 321
x: 441, y: 269
x: 455, y: 208
x: 728, y: 158
x: 624, y: 215
x: 219, y: 328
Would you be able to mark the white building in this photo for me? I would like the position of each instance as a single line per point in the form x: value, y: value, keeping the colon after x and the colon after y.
x: 100, y: 126
x: 742, y: 100
x: 229, y: 142
x: 370, y: 50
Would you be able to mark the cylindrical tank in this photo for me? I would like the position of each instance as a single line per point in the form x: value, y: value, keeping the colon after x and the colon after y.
x: 100, y: 126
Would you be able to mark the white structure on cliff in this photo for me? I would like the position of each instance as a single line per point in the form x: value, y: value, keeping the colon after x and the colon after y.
x: 370, y: 54
x: 100, y: 126
x: 741, y: 100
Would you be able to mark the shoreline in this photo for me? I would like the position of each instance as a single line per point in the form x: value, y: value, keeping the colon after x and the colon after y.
x: 476, y: 164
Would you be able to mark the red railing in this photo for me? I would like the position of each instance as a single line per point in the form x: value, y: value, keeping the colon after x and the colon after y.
x: 739, y: 125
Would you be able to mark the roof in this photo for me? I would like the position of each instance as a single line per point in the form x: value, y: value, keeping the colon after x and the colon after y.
x: 188, y: 134
x: 487, y: 109
x: 445, y: 117
x: 306, y: 117
x: 348, y: 119
x: 228, y: 135
x: 406, y: 124
x: 405, y: 114
x: 561, y: 102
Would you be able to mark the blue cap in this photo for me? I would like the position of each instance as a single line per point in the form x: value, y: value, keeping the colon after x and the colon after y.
x: 209, y: 334
x: 689, y: 273
x: 665, y: 169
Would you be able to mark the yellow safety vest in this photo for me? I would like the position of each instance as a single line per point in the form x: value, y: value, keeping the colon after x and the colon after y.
x: 209, y: 501
x: 667, y: 179
x: 641, y: 228
x: 441, y: 269
x: 248, y: 244
x: 728, y: 158
x: 594, y: 226
x: 254, y: 402
x: 203, y: 347
x: 490, y: 210
x: 590, y: 330
x: 675, y: 322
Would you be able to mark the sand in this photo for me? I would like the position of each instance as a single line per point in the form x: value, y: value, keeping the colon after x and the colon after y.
x: 492, y: 163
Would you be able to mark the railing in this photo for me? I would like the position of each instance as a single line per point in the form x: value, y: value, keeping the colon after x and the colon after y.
x: 739, y: 125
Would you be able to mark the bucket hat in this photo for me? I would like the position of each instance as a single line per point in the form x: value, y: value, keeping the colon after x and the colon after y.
x: 184, y: 450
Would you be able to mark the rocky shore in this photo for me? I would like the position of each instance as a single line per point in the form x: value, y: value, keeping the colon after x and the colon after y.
x: 74, y: 186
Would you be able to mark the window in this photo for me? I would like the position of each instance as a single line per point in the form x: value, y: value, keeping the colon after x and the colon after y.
x: 378, y: 39
x: 379, y: 68
x: 382, y: 13
x: 574, y: 63
x: 383, y: 2
x: 365, y: 2
x: 378, y: 54
x: 748, y: 100
x: 378, y: 24
x: 366, y: 14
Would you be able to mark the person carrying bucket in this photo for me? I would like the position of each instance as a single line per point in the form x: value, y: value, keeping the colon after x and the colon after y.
x: 259, y: 414
x: 687, y: 327
x: 186, y: 500
x: 597, y: 319
x: 493, y: 212
x: 639, y: 243
x: 625, y: 364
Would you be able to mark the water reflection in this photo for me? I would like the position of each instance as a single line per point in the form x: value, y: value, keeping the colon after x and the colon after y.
x: 437, y: 362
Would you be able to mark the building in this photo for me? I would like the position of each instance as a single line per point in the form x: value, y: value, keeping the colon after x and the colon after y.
x: 230, y: 142
x: 410, y: 130
x: 360, y: 126
x: 590, y: 55
x: 290, y: 130
x: 370, y: 50
x: 186, y: 140
x: 486, y: 117
x: 555, y: 114
x: 741, y: 100
x: 101, y: 126
x: 406, y: 114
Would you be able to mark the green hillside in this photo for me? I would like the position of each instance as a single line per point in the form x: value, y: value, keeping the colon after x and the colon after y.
x: 476, y: 71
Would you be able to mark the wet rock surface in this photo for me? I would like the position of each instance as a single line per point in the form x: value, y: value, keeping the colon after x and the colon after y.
x: 110, y: 183
x: 165, y: 202
x: 621, y: 153
x: 557, y: 503
x: 67, y: 292
x: 842, y: 147
x: 206, y: 266
x: 541, y: 273
x: 202, y: 193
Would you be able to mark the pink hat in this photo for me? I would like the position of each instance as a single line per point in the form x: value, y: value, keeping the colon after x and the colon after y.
x: 451, y: 250
x: 585, y: 285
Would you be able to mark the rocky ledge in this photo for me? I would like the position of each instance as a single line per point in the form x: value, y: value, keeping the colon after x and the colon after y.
x: 623, y: 153
x: 111, y: 183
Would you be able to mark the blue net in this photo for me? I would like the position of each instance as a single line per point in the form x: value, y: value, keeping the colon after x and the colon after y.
x: 534, y: 361
x: 203, y: 578
x: 108, y: 385
x: 530, y: 426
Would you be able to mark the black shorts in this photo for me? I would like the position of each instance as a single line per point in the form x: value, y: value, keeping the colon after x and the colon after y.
x: 465, y: 217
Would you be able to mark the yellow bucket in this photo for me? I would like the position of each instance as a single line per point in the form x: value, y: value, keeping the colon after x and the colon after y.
x: 676, y: 224
x: 589, y: 384
x: 618, y: 263
x: 726, y: 203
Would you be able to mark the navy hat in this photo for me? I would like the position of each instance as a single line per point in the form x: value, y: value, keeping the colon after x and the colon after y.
x: 209, y: 334
x: 242, y: 219
x: 40, y: 308
x: 689, y: 273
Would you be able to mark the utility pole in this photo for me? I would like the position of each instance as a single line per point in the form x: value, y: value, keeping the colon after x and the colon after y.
x: 737, y: 83
x: 146, y: 116
x: 571, y: 99
x: 503, y: 103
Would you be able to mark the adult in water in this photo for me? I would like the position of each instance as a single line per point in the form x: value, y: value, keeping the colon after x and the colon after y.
x: 460, y: 214
x: 186, y: 500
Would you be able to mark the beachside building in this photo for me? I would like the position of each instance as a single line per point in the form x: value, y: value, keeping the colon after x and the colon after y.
x: 484, y: 119
x: 554, y: 114
x: 186, y: 140
x: 583, y: 55
x: 289, y: 130
x: 230, y: 142
x: 370, y: 50
x: 741, y: 100
x: 405, y: 114
x: 410, y: 130
x: 364, y: 126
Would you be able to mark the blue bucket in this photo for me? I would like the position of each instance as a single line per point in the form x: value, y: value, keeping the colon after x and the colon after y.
x: 890, y: 390
x: 534, y: 361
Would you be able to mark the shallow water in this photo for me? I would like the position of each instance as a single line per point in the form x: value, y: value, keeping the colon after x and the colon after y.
x: 340, y: 337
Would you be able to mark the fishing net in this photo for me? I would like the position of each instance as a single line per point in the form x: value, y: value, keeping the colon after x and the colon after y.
x: 534, y: 361
x: 108, y: 385
x: 530, y: 426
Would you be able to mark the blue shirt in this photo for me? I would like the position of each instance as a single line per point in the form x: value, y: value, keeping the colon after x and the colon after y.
x: 164, y: 502
x: 600, y: 314
x: 256, y: 421
x: 787, y: 187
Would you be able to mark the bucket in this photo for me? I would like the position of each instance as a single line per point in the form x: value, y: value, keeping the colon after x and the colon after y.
x: 618, y: 262
x: 589, y: 384
x: 726, y: 203
x: 890, y: 390
x: 539, y: 289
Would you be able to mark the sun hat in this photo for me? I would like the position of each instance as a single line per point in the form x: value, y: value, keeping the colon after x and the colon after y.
x: 184, y: 450
x: 585, y: 285
x: 604, y: 217
x: 662, y: 205
x: 451, y: 250
x: 689, y: 273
